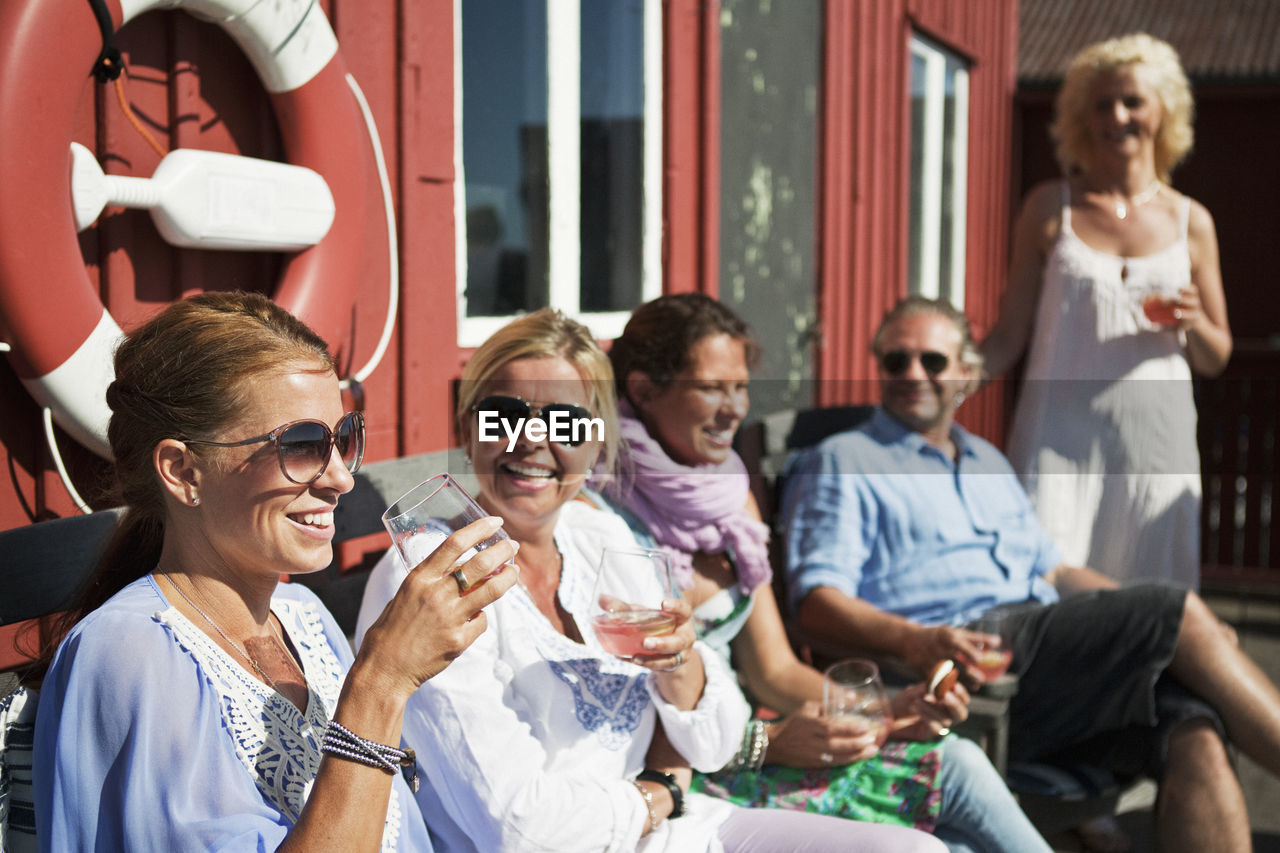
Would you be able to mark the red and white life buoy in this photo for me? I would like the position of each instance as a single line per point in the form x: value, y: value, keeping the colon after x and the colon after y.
x: 62, y: 336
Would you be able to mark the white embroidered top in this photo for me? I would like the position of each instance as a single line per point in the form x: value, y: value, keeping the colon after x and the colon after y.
x: 194, y: 752
x: 529, y: 740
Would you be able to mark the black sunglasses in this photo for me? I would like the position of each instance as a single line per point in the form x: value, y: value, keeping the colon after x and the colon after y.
x: 304, y: 448
x: 895, y: 362
x: 511, y: 410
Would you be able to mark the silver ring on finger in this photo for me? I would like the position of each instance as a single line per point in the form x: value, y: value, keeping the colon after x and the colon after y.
x: 827, y: 758
x: 679, y: 663
x: 944, y: 731
x: 461, y: 580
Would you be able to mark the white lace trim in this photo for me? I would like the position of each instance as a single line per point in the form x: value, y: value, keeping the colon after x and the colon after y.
x: 277, y: 744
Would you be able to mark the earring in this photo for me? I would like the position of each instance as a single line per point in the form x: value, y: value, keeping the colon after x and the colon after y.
x: 958, y: 400
x: 195, y: 501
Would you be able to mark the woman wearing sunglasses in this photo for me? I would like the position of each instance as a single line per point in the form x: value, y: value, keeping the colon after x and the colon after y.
x: 683, y: 366
x: 197, y: 702
x: 536, y: 738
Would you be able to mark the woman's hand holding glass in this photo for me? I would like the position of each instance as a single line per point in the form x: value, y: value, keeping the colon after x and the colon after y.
x: 675, y: 664
x: 429, y: 622
x: 808, y: 738
x: 637, y: 615
x: 1187, y: 309
x: 852, y: 691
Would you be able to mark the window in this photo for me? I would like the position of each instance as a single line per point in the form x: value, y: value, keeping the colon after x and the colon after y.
x: 561, y: 160
x: 939, y: 156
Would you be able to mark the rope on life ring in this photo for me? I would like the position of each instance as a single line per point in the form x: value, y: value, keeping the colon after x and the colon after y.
x: 62, y: 336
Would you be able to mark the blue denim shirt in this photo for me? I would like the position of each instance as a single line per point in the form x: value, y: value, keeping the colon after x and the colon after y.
x: 882, y: 515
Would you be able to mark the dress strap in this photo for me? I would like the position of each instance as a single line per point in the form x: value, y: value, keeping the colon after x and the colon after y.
x: 1066, y: 205
x: 1184, y: 216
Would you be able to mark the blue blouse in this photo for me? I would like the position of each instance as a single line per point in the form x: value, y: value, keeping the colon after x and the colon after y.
x: 149, y: 736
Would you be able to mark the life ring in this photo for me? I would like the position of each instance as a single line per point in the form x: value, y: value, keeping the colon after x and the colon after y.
x: 62, y: 336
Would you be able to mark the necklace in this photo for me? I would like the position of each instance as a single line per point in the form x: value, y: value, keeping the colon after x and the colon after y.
x: 1122, y: 209
x: 244, y: 653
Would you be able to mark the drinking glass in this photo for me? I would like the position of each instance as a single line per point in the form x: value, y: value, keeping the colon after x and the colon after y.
x: 626, y: 600
x: 425, y: 516
x: 1158, y: 305
x: 995, y: 648
x: 852, y: 690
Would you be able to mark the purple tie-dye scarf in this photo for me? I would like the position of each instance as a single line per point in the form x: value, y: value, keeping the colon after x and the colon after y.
x: 689, y: 508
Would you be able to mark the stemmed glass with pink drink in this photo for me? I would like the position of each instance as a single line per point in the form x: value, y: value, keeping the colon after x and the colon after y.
x: 626, y: 601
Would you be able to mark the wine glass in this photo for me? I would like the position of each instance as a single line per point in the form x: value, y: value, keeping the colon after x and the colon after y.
x: 425, y: 516
x: 995, y: 647
x: 852, y: 690
x: 626, y: 600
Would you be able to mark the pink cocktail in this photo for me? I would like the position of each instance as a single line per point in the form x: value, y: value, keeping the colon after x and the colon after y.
x: 626, y: 607
x: 1159, y: 309
x: 622, y: 632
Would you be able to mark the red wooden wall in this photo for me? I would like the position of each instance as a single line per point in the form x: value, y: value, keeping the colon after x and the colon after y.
x: 189, y: 84
x: 191, y: 87
x: 864, y: 176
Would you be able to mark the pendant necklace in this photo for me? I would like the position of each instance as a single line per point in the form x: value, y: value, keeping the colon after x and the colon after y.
x: 244, y: 653
x: 1122, y: 209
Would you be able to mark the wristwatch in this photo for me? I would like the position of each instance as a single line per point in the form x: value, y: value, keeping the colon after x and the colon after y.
x: 672, y: 786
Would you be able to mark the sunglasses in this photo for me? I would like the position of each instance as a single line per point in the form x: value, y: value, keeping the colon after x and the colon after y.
x: 511, y: 410
x: 304, y: 448
x: 895, y: 362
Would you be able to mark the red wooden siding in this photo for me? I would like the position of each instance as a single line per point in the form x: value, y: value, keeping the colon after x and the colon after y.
x: 190, y: 85
x: 427, y: 327
x: 865, y: 178
x: 691, y: 146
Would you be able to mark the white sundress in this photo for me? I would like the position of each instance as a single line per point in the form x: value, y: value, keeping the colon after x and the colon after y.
x: 1104, y: 432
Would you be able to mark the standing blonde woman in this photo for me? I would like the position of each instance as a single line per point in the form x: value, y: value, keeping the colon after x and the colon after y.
x: 1116, y: 296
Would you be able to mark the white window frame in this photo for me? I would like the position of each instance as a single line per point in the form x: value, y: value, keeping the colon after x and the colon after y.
x: 564, y: 150
x: 928, y: 253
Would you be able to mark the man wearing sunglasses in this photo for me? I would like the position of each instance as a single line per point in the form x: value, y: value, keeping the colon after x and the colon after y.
x: 907, y: 526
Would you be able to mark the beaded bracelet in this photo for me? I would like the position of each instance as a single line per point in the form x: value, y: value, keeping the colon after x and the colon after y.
x: 759, y: 745
x: 648, y: 803
x: 340, y: 741
x: 750, y: 756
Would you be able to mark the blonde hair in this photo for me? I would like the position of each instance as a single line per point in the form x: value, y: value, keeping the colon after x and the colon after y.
x: 546, y: 333
x: 1070, y: 128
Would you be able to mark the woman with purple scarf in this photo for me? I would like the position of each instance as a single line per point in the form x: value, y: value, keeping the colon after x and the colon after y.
x: 682, y: 367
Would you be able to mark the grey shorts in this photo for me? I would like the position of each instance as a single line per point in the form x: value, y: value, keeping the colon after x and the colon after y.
x: 1091, y: 680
